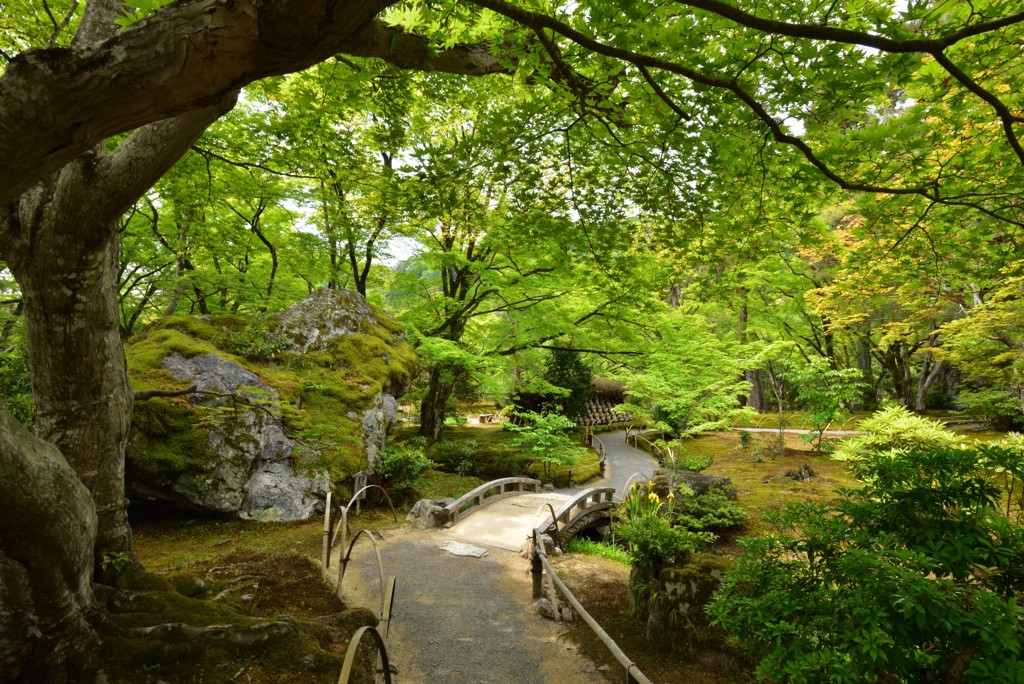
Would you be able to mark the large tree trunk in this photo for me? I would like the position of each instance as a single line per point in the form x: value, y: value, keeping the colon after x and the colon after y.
x: 67, y: 270
x: 47, y: 533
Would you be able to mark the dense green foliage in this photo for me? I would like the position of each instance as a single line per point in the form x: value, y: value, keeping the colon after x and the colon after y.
x: 916, y: 576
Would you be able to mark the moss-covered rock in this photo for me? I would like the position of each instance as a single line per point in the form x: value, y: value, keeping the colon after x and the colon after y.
x: 670, y: 602
x: 282, y: 409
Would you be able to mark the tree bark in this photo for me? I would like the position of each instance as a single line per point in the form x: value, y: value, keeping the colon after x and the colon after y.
x: 47, y: 534
x: 79, y: 374
x: 57, y: 104
x: 432, y: 408
x: 869, y: 395
x: 60, y: 241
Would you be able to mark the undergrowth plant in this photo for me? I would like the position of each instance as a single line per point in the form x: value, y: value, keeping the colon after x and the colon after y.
x: 917, y: 576
x: 590, y: 547
x: 402, y: 464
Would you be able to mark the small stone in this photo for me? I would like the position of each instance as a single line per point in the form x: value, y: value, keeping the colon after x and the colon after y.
x: 460, y: 549
x: 544, y: 608
x: 567, y: 616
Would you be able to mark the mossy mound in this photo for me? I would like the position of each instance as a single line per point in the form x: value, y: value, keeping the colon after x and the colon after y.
x: 322, y: 384
x: 248, y: 617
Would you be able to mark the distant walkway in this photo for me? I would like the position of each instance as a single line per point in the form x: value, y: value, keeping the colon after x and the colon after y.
x: 623, y: 463
x: 799, y: 431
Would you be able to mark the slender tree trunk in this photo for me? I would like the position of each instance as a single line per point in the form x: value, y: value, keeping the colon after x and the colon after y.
x: 929, y: 374
x: 869, y: 396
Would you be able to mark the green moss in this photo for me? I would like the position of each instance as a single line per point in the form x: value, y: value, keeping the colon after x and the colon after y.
x: 320, y: 392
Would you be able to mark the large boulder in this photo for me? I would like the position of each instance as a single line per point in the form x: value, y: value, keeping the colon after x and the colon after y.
x: 281, y: 410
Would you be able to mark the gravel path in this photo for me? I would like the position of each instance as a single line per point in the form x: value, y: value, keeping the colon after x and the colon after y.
x: 463, y: 619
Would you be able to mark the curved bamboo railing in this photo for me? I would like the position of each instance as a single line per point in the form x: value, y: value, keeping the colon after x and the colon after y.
x: 331, y: 533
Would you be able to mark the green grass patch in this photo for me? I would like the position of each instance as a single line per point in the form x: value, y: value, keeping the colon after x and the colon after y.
x: 590, y: 547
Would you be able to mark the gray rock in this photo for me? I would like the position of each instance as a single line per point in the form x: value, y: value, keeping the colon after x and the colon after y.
x: 376, y: 421
x: 240, y: 635
x: 242, y: 463
x: 460, y: 549
x: 698, y: 482
x: 210, y: 372
x: 323, y: 316
x: 544, y: 608
x: 427, y: 514
x: 247, y: 470
x: 802, y: 474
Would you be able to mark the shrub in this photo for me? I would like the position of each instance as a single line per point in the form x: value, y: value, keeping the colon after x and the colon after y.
x: 916, y: 577
x: 769, y: 446
x: 890, y: 432
x: 694, y: 463
x: 402, y: 465
x: 644, y: 522
x: 456, y: 457
x: 655, y: 543
x: 257, y: 343
x: 711, y: 511
x: 998, y: 407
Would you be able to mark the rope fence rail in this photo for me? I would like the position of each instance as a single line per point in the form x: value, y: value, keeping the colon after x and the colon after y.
x: 542, y: 567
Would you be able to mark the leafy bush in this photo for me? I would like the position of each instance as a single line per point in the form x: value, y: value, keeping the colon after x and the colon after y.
x: 456, y: 456
x: 890, y: 432
x: 916, y: 577
x: 16, y: 385
x: 655, y: 543
x: 645, y: 523
x: 694, y: 463
x: 767, y: 446
x: 711, y: 511
x: 997, y: 407
x: 257, y: 343
x: 402, y: 465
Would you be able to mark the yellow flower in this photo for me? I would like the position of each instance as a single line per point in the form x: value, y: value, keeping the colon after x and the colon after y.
x: 653, y: 497
x: 650, y: 483
x: 671, y: 496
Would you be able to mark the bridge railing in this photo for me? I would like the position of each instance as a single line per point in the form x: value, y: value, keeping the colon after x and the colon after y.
x: 586, y: 502
x: 540, y: 566
x: 489, y: 493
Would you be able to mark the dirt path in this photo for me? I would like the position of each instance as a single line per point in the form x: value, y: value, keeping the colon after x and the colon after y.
x: 463, y: 619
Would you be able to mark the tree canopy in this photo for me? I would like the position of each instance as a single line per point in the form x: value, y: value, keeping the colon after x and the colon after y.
x: 762, y: 186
